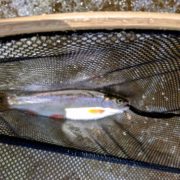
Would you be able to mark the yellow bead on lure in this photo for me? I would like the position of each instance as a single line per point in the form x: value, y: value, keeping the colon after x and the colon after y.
x: 68, y: 104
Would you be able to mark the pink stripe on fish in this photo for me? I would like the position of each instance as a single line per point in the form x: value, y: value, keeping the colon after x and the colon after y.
x: 57, y: 116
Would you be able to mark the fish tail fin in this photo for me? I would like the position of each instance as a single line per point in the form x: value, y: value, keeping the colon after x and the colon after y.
x: 3, y: 102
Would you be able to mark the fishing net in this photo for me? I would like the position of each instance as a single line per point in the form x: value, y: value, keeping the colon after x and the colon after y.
x: 141, y: 66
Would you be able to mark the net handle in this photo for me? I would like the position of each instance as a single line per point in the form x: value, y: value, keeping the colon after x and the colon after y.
x: 89, y: 21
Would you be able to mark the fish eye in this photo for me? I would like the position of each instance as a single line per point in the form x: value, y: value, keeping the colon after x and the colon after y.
x: 119, y: 101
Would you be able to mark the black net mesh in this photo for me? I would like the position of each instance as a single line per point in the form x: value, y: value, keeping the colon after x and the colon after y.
x: 34, y: 163
x: 142, y: 66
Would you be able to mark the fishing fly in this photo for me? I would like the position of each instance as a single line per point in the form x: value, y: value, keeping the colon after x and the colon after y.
x: 72, y: 104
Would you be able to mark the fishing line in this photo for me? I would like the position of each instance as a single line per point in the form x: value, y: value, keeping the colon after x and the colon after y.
x: 152, y: 114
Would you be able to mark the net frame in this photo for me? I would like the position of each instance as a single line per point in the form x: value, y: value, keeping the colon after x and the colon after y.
x: 89, y: 21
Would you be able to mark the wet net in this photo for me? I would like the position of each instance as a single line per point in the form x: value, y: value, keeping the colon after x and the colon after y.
x: 141, y: 66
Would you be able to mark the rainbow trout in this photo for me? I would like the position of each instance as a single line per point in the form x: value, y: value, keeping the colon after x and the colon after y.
x: 73, y: 105
x: 68, y: 104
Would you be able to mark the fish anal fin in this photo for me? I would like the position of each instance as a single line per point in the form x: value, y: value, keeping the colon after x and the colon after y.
x: 32, y: 113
